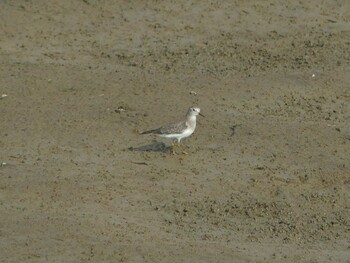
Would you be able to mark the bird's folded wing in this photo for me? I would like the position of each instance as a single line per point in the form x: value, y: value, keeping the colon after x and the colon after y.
x: 169, y: 129
x: 173, y: 128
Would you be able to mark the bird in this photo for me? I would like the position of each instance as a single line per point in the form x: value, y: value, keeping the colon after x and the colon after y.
x: 178, y: 130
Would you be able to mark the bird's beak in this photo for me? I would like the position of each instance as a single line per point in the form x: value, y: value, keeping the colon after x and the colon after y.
x: 201, y: 114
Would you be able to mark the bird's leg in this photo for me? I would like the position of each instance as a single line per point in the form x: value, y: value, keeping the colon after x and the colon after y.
x: 173, y: 148
x: 181, y: 148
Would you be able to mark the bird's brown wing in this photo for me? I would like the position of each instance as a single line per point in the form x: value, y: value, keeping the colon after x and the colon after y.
x: 169, y: 129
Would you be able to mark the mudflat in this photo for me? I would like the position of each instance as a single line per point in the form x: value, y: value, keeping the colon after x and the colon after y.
x: 266, y: 175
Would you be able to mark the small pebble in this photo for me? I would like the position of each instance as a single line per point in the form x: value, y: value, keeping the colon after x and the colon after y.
x: 120, y: 109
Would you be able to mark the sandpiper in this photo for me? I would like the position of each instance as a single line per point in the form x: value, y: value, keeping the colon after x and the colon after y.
x: 179, y: 130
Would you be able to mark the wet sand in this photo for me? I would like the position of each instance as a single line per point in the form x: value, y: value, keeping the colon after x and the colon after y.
x: 266, y: 177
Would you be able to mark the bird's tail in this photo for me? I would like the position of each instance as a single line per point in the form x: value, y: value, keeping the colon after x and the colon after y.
x: 150, y: 131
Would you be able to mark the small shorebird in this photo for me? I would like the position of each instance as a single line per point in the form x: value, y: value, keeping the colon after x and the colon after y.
x: 179, y: 130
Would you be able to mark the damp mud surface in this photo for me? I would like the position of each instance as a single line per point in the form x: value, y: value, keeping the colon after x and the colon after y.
x: 266, y: 177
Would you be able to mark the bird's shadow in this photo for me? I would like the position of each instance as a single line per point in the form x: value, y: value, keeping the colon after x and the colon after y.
x: 153, y: 147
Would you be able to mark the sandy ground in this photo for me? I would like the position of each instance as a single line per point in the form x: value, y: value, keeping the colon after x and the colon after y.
x: 267, y: 174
